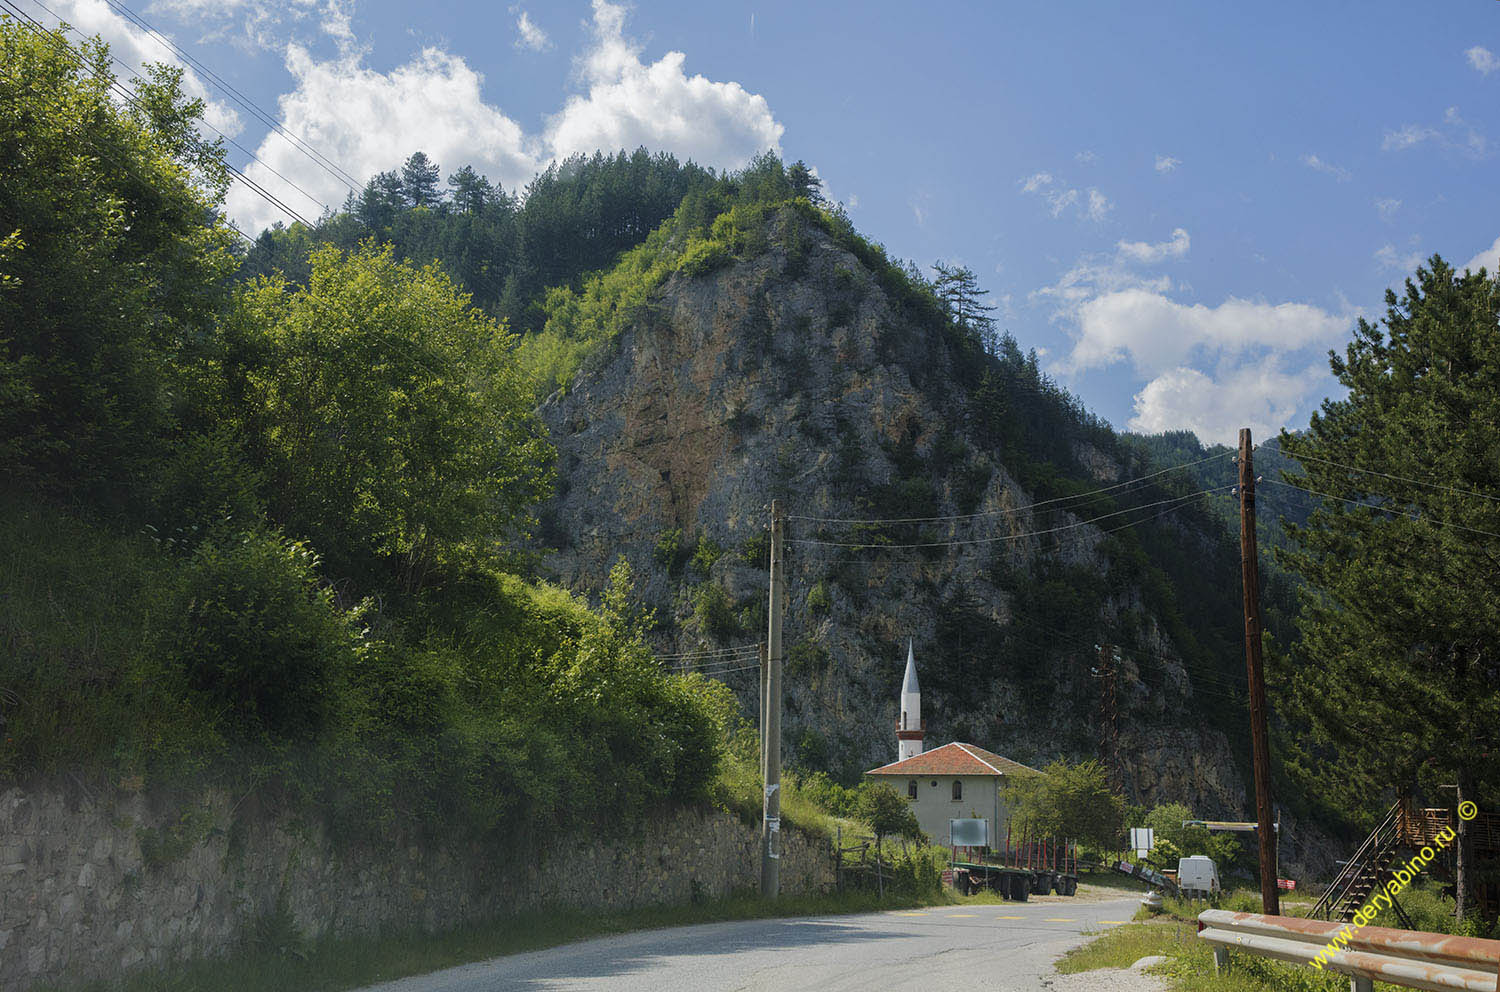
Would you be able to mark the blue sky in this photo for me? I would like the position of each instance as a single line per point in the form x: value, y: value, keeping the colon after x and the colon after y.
x: 1182, y: 206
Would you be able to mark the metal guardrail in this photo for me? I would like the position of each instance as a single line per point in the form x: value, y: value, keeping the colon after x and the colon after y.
x: 1408, y: 958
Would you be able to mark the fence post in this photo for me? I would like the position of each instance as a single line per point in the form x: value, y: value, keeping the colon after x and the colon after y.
x: 1221, y: 960
x: 1357, y: 984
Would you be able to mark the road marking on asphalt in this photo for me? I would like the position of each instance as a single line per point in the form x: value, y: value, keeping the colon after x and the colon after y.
x: 962, y: 916
x: 1010, y: 917
x: 1114, y: 921
x: 1058, y: 919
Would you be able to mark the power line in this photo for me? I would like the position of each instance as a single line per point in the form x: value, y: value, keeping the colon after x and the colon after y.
x: 250, y: 106
x: 1009, y: 537
x: 133, y: 100
x: 1397, y: 478
x: 206, y: 123
x: 990, y: 513
x: 1387, y: 509
x: 710, y: 651
x: 898, y: 560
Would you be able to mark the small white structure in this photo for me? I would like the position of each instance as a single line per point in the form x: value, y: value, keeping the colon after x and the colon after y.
x: 911, y: 728
x: 955, y: 781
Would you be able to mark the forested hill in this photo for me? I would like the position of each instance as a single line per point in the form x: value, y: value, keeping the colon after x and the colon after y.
x: 752, y: 266
x: 505, y: 247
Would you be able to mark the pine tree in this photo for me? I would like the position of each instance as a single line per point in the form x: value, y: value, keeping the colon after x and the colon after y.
x: 1397, y: 666
x: 471, y: 191
x: 958, y: 290
x: 419, y: 181
x: 805, y: 182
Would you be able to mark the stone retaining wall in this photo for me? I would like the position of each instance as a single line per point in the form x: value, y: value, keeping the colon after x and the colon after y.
x: 92, y: 884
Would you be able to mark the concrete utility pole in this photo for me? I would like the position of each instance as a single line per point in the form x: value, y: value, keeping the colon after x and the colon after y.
x: 770, y: 863
x: 1270, y: 895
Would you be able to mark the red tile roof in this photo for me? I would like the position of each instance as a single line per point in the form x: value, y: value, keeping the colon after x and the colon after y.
x: 955, y: 759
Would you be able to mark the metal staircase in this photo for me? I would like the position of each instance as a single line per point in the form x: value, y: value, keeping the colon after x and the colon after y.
x: 1363, y: 873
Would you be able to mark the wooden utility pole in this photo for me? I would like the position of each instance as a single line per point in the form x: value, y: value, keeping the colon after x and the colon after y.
x: 1270, y: 895
x: 770, y: 862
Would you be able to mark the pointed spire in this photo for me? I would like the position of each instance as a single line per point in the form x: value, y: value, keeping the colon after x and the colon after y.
x: 909, y: 685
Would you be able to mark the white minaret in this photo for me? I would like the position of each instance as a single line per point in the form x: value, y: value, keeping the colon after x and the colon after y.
x: 910, y: 729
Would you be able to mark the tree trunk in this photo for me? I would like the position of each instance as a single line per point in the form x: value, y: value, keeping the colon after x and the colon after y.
x: 879, y: 870
x: 1464, y: 850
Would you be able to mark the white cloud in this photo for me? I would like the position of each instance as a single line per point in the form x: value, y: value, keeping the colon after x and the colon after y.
x: 1483, y: 59
x: 1210, y: 369
x: 136, y: 48
x: 1059, y: 196
x: 1098, y: 273
x: 853, y: 201
x: 1259, y: 396
x: 1488, y: 259
x: 1145, y: 252
x: 1086, y: 158
x: 1327, y: 168
x: 630, y: 103
x: 528, y: 35
x: 1392, y: 260
x: 1454, y: 134
x: 1166, y: 163
x: 1099, y: 204
x: 1387, y: 207
x: 1156, y: 333
x: 368, y: 121
x: 257, y: 25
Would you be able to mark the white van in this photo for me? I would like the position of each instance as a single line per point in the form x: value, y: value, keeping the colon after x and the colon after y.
x: 1197, y: 877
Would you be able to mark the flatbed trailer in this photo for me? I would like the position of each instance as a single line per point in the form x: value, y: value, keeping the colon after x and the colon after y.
x: 1021, y: 870
x: 972, y: 877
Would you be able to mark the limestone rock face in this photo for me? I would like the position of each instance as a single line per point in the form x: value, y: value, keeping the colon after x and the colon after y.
x: 794, y: 375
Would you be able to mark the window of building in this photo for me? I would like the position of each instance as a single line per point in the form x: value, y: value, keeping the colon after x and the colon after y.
x: 911, y: 789
x: 958, y: 790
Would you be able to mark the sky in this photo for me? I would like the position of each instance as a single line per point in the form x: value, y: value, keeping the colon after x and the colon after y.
x: 1181, y: 206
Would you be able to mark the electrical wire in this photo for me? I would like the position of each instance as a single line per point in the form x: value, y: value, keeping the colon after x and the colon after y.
x: 133, y: 100
x: 888, y: 561
x: 141, y: 76
x: 990, y: 513
x: 711, y: 651
x: 1386, y: 509
x: 251, y: 107
x: 1007, y: 537
x: 1397, y: 478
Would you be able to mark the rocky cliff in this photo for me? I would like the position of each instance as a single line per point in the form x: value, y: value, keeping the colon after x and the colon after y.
x: 794, y: 370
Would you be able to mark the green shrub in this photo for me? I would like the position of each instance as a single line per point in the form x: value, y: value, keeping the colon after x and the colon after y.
x: 703, y: 257
x: 713, y: 613
x: 704, y: 555
x: 757, y: 550
x: 259, y: 640
x: 670, y: 553
x: 819, y: 598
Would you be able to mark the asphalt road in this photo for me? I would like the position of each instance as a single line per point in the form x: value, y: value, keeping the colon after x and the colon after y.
x: 1003, y: 947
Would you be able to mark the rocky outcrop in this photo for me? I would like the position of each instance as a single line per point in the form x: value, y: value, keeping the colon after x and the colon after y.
x: 793, y: 375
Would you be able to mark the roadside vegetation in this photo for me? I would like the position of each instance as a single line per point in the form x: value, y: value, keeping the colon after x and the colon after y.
x: 262, y: 536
